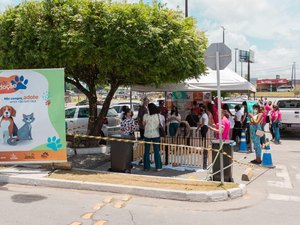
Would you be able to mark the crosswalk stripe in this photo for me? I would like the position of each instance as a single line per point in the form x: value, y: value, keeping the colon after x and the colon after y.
x: 283, y: 173
x: 287, y: 198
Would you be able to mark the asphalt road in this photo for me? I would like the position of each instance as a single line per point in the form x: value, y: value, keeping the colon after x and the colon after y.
x: 273, y: 197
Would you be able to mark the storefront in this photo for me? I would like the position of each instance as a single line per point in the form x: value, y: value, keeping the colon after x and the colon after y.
x: 270, y: 85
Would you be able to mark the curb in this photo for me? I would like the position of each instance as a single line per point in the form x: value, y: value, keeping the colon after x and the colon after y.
x: 192, y: 196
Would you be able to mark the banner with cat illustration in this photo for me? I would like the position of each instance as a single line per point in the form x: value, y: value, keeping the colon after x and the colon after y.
x: 32, y: 117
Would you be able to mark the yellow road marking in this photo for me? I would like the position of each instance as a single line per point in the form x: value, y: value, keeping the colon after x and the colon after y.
x: 100, y: 222
x: 76, y: 223
x: 108, y: 199
x: 98, y: 206
x: 87, y: 215
x: 126, y: 198
x: 119, y: 204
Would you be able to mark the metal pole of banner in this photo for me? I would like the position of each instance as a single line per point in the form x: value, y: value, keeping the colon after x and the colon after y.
x: 219, y: 116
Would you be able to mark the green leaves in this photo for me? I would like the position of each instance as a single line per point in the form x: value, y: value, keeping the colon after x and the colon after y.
x: 131, y: 43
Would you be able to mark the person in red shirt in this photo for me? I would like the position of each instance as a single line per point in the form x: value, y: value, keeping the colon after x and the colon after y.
x: 163, y: 110
x: 196, y: 108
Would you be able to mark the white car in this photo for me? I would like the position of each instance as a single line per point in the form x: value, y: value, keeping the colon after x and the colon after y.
x: 285, y: 88
x: 77, y: 120
x: 232, y: 104
x: 290, y: 113
x: 118, y: 107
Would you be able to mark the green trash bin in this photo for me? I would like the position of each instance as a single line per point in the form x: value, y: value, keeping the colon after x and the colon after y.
x: 121, y: 154
x: 228, y: 148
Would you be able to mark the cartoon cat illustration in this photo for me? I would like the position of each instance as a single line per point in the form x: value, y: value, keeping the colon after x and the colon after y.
x: 24, y: 133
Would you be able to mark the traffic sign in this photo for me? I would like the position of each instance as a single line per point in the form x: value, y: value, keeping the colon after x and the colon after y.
x: 224, y: 56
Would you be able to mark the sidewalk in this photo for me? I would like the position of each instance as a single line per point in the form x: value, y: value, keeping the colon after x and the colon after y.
x: 89, y: 164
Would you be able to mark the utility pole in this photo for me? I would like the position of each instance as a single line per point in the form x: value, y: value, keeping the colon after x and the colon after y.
x: 223, y: 34
x: 186, y: 8
x: 249, y: 68
x: 295, y: 80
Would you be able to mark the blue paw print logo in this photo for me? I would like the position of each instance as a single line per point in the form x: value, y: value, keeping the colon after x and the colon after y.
x: 19, y: 83
x: 54, y: 143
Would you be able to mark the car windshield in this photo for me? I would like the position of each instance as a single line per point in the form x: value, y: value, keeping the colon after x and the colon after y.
x: 289, y: 104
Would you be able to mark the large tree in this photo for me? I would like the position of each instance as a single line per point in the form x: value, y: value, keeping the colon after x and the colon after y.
x: 101, y: 42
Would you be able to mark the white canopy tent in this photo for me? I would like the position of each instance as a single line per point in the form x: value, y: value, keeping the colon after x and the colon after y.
x: 229, y: 80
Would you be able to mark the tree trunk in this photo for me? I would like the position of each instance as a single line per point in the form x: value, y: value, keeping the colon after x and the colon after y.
x: 99, y: 120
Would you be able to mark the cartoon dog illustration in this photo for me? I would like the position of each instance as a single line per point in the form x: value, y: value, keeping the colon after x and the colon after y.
x: 8, y: 128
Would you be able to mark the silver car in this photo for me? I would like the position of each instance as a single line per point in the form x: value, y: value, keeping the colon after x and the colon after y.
x: 77, y: 120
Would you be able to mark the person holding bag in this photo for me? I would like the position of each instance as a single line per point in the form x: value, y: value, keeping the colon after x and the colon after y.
x: 151, y: 123
x: 256, y: 131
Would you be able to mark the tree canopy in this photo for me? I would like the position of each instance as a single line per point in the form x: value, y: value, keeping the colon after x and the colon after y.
x: 100, y: 42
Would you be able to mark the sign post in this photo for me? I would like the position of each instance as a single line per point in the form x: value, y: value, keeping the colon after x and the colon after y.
x: 217, y: 57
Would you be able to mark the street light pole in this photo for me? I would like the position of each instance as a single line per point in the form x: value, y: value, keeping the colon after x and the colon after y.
x: 235, y: 59
x: 186, y: 8
x: 223, y: 34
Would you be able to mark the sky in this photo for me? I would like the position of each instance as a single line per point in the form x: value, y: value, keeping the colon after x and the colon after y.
x: 270, y: 28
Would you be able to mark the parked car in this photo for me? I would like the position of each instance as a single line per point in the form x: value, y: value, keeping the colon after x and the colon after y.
x: 285, y: 88
x: 77, y: 120
x: 290, y: 113
x: 118, y: 107
x: 232, y: 104
x: 86, y: 102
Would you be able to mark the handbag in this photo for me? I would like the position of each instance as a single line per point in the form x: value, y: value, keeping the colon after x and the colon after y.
x: 162, y: 132
x: 260, y: 133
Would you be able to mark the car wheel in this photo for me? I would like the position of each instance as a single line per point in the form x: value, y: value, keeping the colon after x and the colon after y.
x: 101, y: 141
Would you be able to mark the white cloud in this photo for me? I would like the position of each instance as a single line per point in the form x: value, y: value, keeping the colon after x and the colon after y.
x: 269, y: 27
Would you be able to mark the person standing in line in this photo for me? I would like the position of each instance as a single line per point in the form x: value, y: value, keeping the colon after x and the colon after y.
x: 142, y: 111
x: 225, y: 126
x: 211, y: 121
x: 203, y: 126
x: 128, y: 125
x: 255, y: 125
x: 192, y: 119
x: 246, y: 122
x: 276, y: 119
x: 151, y: 123
x: 263, y: 124
x: 237, y: 129
x: 164, y: 112
x: 174, y: 120
x: 215, y: 110
x: 196, y: 108
x: 210, y: 112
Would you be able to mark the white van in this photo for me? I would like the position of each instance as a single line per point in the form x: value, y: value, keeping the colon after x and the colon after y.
x: 285, y: 88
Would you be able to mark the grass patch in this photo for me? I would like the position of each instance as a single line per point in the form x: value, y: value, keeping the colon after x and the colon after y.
x: 143, y: 181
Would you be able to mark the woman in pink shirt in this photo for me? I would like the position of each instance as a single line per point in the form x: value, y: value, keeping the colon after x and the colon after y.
x: 276, y: 118
x: 225, y: 127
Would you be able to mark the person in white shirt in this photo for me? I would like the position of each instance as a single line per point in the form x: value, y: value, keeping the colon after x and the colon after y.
x: 203, y: 126
x: 237, y: 129
x: 174, y: 120
x: 151, y: 123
